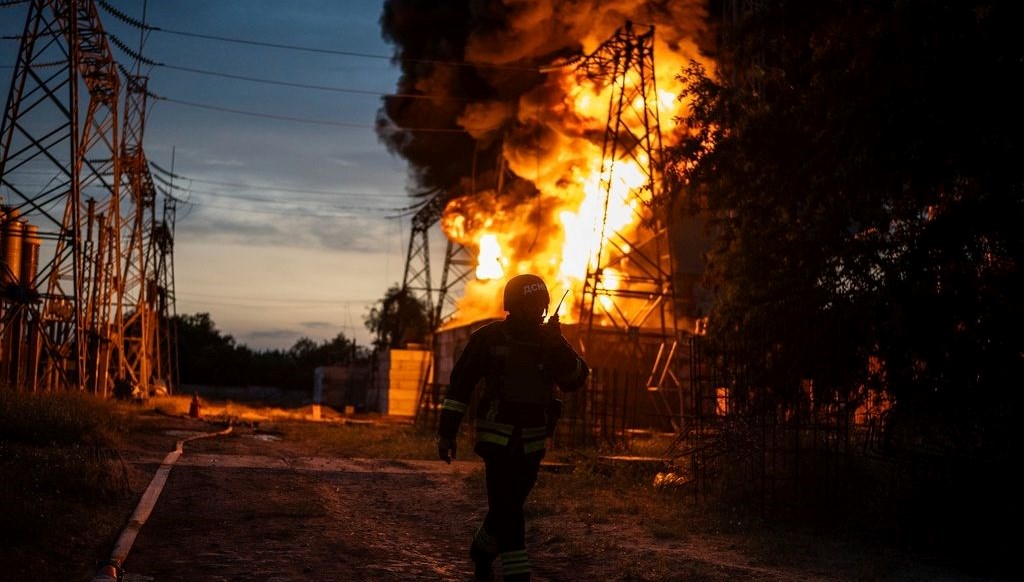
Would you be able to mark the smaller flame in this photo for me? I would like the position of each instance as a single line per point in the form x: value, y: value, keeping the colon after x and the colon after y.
x: 488, y: 261
x: 610, y: 281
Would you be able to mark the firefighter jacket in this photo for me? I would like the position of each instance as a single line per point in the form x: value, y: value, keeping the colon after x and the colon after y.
x: 520, y: 365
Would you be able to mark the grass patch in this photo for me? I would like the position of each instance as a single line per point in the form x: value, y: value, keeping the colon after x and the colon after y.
x: 597, y: 494
x: 386, y: 440
x: 63, y: 444
x: 62, y: 418
x: 62, y: 479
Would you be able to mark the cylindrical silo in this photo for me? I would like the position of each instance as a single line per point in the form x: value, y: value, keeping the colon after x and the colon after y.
x: 30, y: 243
x: 3, y: 226
x: 12, y: 252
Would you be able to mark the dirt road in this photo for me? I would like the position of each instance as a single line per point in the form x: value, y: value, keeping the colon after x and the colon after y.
x: 257, y: 507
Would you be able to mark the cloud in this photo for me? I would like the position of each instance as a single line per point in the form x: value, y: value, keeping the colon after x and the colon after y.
x: 319, y: 325
x: 293, y: 225
x: 273, y: 334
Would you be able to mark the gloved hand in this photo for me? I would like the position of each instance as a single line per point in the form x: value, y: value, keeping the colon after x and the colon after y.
x: 558, y: 356
x: 554, y: 324
x: 446, y: 449
x: 551, y: 332
x: 552, y: 415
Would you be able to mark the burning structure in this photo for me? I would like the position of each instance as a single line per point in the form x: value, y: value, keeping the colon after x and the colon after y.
x: 536, y: 131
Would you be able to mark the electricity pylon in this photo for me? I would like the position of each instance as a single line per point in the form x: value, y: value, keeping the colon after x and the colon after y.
x: 141, y: 324
x: 440, y: 300
x: 165, y: 365
x: 459, y: 265
x: 417, y: 277
x: 628, y: 290
x: 61, y: 122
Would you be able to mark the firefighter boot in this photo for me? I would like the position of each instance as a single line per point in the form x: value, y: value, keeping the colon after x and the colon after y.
x: 483, y: 570
x: 515, y: 566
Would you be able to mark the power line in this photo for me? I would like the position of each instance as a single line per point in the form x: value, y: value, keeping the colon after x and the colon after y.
x: 284, y: 201
x: 264, y: 115
x: 139, y: 24
x: 473, y: 64
x: 190, y: 190
x: 283, y: 83
x: 330, y: 88
x: 301, y: 119
x: 281, y: 189
x: 245, y: 41
x: 301, y: 214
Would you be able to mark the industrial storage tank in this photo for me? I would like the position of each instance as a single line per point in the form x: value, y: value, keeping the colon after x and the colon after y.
x: 11, y: 239
x: 30, y: 243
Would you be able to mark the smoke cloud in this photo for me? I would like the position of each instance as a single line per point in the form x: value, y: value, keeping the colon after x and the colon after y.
x: 471, y: 85
x: 489, y: 109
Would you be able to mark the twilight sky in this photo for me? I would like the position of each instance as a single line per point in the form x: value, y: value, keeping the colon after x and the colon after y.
x: 287, y: 227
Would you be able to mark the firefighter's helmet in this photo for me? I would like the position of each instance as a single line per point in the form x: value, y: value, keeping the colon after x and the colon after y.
x: 525, y: 290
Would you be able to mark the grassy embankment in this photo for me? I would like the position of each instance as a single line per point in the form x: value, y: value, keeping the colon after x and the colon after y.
x: 66, y: 493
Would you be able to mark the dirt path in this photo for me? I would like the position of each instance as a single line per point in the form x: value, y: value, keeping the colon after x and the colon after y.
x: 266, y: 510
x: 254, y: 507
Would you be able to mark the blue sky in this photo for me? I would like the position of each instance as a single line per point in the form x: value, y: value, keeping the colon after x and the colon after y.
x: 287, y: 228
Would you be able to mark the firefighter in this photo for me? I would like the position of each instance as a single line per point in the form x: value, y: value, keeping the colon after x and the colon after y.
x: 521, y: 359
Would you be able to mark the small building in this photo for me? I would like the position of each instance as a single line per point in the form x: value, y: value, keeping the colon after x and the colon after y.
x: 398, y: 379
x: 341, y: 386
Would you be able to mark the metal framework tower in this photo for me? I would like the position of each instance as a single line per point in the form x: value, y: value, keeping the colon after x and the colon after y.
x: 141, y: 323
x: 628, y: 291
x: 61, y: 123
x: 165, y: 366
x: 84, y: 261
x: 457, y: 268
x: 417, y: 277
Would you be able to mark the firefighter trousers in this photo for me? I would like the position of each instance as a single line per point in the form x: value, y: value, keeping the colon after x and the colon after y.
x: 510, y: 476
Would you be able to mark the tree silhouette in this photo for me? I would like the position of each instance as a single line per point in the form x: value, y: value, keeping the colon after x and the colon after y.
x: 398, y: 318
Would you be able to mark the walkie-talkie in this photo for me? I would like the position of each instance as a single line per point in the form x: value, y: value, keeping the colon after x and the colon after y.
x: 553, y: 318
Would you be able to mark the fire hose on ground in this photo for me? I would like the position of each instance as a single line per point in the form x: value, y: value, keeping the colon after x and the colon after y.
x: 112, y: 571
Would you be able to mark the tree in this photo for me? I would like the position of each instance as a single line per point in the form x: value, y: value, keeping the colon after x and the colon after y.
x: 206, y: 356
x: 342, y: 350
x: 209, y: 357
x: 859, y: 160
x: 397, y: 319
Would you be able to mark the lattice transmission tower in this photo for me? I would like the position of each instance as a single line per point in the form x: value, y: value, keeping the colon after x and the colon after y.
x: 460, y: 263
x: 440, y: 299
x: 165, y: 366
x: 143, y: 355
x: 78, y: 211
x: 628, y: 309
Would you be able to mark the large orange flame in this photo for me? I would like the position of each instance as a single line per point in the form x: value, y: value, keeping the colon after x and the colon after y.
x: 557, y: 233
